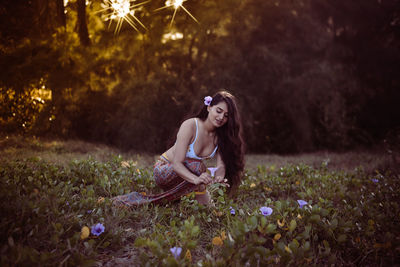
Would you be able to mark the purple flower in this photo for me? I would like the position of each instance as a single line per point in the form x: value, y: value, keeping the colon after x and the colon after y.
x: 233, y: 212
x: 302, y: 203
x: 266, y: 211
x: 97, y: 229
x: 176, y: 251
x: 375, y: 180
x: 212, y: 171
x: 89, y: 211
x: 207, y: 100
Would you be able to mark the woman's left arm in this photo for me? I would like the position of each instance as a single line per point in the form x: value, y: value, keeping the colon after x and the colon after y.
x: 220, y: 173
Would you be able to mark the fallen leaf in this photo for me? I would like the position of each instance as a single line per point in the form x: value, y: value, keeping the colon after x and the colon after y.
x: 217, y: 241
x: 188, y: 255
x: 277, y: 236
x: 223, y: 235
x: 280, y: 224
x: 125, y: 164
x: 85, y: 231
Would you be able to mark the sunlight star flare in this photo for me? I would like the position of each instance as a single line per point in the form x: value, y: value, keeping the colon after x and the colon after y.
x: 176, y: 4
x: 120, y: 11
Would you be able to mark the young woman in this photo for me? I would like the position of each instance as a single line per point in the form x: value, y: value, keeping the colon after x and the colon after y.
x: 214, y: 132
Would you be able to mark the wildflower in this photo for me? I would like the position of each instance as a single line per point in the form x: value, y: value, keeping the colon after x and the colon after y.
x: 176, y: 251
x: 85, y: 232
x: 100, y: 200
x: 143, y: 193
x: 297, y: 182
x: 232, y: 210
x: 207, y: 100
x: 89, y: 211
x: 252, y: 185
x: 267, y: 189
x: 188, y: 255
x: 217, y: 241
x: 375, y: 180
x: 97, y: 229
x: 212, y: 171
x: 302, y: 203
x: 67, y: 203
x: 266, y: 211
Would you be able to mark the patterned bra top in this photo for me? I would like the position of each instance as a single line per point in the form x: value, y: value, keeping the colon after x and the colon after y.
x: 191, y: 154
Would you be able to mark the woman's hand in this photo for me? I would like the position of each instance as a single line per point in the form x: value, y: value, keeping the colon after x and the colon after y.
x: 204, y: 178
x: 222, y: 180
x: 219, y: 179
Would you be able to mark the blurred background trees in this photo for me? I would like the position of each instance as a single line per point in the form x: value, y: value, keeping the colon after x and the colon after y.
x: 309, y: 75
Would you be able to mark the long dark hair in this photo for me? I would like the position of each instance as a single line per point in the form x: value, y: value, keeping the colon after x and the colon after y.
x: 230, y: 141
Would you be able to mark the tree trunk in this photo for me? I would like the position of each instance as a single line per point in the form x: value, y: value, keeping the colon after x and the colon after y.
x: 82, y: 25
x: 61, y: 19
x: 43, y: 17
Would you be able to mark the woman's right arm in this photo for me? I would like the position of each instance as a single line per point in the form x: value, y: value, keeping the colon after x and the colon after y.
x: 185, y: 134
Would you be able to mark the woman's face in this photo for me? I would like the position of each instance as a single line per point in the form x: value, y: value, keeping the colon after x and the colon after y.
x: 218, y: 114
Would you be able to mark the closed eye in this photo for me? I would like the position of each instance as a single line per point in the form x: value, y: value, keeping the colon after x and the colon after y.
x: 219, y: 110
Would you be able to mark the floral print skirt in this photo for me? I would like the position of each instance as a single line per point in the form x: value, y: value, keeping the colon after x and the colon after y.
x: 167, y: 179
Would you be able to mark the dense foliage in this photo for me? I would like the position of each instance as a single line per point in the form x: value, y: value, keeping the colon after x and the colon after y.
x: 308, y: 74
x: 49, y: 213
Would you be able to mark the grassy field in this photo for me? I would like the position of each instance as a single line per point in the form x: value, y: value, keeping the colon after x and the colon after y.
x: 63, y: 152
x: 54, y: 193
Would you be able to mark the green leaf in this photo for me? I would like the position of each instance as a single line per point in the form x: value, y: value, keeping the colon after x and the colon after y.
x: 278, y: 205
x: 324, y: 212
x: 106, y: 244
x: 315, y: 218
x: 342, y: 238
x: 220, y: 192
x: 294, y: 245
x: 263, y: 221
x: 309, y: 191
x: 140, y: 242
x: 170, y: 261
x: 292, y: 225
x: 252, y: 222
x: 306, y: 246
x: 271, y: 228
x: 334, y: 223
x: 195, y: 230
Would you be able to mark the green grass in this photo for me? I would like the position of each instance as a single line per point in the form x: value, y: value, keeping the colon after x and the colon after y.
x: 62, y: 152
x: 51, y: 189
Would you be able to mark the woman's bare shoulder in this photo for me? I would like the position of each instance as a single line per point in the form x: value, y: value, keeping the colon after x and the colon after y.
x: 189, y: 123
x: 187, y: 128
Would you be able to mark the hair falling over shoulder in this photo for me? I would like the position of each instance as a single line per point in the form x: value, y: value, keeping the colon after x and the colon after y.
x: 230, y: 141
